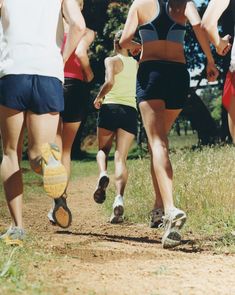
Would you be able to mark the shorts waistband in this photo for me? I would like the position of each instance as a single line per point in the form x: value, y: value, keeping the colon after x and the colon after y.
x: 163, y: 62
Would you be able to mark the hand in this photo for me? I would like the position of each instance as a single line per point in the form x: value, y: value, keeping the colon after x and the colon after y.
x: 98, y: 102
x: 224, y: 45
x: 212, y: 72
x: 136, y: 49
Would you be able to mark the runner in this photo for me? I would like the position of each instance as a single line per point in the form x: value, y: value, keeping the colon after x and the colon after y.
x: 117, y: 119
x: 76, y: 94
x: 210, y: 23
x: 162, y: 88
x: 31, y: 84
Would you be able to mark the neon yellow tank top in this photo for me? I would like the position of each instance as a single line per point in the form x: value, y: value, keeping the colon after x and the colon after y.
x: 124, y: 88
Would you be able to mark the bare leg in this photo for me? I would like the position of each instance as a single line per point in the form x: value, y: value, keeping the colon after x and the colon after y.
x: 41, y: 129
x: 11, y: 122
x: 68, y: 133
x: 153, y: 114
x: 170, y: 117
x: 105, y: 140
x: 124, y: 141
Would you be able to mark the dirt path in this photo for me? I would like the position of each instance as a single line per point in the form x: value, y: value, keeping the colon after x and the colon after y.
x: 95, y: 257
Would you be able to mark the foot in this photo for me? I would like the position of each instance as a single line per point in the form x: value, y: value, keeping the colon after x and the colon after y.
x: 156, y: 218
x: 100, y: 192
x: 60, y: 214
x: 54, y: 173
x: 118, y: 210
x: 173, y: 221
x: 13, y: 236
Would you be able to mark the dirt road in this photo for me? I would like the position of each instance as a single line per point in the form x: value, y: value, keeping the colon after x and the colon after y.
x: 95, y: 257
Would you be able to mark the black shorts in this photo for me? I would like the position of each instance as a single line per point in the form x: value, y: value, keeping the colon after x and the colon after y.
x: 115, y: 116
x: 168, y: 81
x: 76, y: 97
x: 35, y: 93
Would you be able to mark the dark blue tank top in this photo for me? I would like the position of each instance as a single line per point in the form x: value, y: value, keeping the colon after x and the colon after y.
x: 162, y: 27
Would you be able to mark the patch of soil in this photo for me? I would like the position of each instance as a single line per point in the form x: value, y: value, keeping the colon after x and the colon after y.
x: 95, y: 257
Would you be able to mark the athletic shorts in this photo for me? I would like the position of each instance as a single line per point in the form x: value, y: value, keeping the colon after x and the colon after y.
x: 167, y: 81
x: 229, y: 89
x: 35, y: 93
x: 76, y: 97
x: 115, y: 116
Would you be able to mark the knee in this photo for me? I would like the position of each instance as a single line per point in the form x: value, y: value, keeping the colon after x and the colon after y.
x: 158, y: 145
x: 119, y: 159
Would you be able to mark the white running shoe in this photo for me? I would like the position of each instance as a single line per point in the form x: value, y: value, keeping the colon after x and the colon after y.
x: 173, y: 221
x: 118, y: 210
x: 50, y: 217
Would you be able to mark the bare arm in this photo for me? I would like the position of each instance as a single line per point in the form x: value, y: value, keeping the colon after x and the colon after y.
x: 113, y: 66
x: 210, y: 25
x: 76, y: 24
x: 194, y: 18
x: 129, y: 30
x: 81, y: 53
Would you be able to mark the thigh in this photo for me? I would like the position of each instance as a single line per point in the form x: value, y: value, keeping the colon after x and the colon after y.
x: 41, y: 128
x: 124, y: 140
x: 153, y: 116
x: 11, y: 123
x: 170, y: 117
x: 69, y: 132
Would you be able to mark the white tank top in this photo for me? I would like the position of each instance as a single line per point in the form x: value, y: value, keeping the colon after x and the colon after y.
x: 32, y: 38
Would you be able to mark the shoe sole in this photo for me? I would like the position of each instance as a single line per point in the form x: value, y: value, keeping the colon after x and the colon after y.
x: 61, y: 214
x: 13, y: 242
x: 100, y: 193
x: 54, y: 178
x: 117, y: 217
x: 172, y: 237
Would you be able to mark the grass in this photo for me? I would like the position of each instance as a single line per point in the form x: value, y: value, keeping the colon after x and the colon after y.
x: 204, y: 187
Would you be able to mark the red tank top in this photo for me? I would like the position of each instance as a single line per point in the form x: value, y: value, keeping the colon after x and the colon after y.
x: 73, y: 68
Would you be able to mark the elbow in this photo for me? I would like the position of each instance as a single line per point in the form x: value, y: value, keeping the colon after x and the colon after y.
x: 110, y: 84
x: 123, y: 43
x: 206, y: 25
x: 78, y: 26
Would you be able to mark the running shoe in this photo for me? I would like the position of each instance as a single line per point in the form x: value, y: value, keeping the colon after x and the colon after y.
x: 156, y: 218
x: 50, y: 216
x: 118, y: 210
x: 13, y: 236
x: 61, y: 214
x: 53, y: 172
x: 100, y: 192
x: 173, y: 221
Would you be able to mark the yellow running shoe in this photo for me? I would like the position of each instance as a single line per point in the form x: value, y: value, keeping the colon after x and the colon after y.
x: 13, y: 236
x: 53, y: 172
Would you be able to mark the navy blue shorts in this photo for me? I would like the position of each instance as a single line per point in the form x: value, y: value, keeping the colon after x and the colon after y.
x: 76, y: 98
x: 167, y: 81
x: 115, y: 116
x: 35, y: 93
